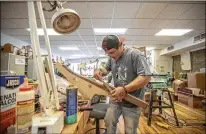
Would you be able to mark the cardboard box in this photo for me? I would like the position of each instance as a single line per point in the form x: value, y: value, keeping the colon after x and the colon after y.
x: 196, y: 80
x: 165, y: 95
x: 178, y: 84
x: 176, y: 75
x: 186, y: 96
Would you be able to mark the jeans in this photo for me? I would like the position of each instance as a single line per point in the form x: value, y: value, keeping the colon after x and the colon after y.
x: 130, y: 115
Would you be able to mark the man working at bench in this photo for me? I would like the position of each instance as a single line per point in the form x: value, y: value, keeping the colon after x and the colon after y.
x: 128, y: 67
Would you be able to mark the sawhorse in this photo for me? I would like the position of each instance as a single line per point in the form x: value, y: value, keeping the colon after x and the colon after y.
x: 160, y: 106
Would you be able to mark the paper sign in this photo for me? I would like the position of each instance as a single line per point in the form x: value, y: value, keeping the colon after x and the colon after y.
x: 20, y: 61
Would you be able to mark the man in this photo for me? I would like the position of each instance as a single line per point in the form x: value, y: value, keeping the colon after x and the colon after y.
x: 128, y: 68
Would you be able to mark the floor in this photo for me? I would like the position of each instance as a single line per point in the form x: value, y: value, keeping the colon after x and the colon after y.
x: 183, y: 112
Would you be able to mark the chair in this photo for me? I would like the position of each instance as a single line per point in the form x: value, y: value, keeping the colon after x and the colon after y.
x: 98, y: 112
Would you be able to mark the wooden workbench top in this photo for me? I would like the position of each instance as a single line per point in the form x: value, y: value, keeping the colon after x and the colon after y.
x: 77, y: 127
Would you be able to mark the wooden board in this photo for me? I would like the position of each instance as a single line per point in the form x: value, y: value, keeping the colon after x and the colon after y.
x: 88, y: 88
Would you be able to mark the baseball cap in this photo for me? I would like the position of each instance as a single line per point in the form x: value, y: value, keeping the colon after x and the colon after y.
x: 110, y: 41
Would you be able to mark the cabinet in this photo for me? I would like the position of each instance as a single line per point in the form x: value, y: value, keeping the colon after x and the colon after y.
x: 31, y: 72
x: 11, y: 63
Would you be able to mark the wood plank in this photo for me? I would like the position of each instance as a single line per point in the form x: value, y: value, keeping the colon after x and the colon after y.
x: 88, y: 88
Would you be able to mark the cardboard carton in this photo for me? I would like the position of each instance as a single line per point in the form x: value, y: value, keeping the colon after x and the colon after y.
x: 178, y: 84
x: 187, y: 96
x: 196, y: 80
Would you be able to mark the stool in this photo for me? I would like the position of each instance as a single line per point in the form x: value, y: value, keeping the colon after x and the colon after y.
x: 171, y: 105
x: 98, y: 112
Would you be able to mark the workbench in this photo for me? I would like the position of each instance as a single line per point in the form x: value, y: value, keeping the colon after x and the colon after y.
x: 79, y: 126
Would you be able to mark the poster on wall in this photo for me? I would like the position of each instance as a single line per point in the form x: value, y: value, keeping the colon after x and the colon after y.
x: 162, y: 66
x: 185, y: 61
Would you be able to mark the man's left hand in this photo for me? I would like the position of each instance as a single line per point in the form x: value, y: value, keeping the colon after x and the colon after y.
x: 118, y: 94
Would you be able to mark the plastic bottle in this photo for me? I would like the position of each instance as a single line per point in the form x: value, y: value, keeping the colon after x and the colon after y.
x: 71, y: 105
x: 25, y: 107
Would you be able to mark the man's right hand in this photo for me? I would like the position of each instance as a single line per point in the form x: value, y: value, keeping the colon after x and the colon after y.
x: 98, y: 74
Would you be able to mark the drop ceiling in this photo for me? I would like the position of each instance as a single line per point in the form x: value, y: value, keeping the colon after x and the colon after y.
x: 142, y: 20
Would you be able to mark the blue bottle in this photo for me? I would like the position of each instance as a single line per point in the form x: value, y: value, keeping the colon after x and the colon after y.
x: 71, y: 105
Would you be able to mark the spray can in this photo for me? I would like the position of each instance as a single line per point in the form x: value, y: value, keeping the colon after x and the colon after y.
x: 71, y: 105
x: 9, y: 87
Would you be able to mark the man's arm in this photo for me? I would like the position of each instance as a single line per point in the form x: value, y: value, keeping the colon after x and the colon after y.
x: 100, y: 72
x: 137, y: 83
x: 104, y: 71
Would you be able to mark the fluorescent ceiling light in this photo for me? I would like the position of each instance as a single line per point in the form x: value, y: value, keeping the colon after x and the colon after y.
x: 150, y: 48
x: 50, y: 31
x: 78, y: 55
x: 106, y: 31
x: 69, y: 48
x: 173, y: 32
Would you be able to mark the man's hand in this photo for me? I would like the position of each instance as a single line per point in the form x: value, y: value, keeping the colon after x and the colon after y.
x: 118, y: 94
x: 98, y: 74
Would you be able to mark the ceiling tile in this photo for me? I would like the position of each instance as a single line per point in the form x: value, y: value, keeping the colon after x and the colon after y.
x: 140, y: 23
x: 196, y: 24
x: 147, y: 31
x: 173, y: 11
x: 158, y: 23
x: 85, y: 23
x: 59, y: 37
x: 21, y: 23
x: 101, y: 9
x: 14, y: 9
x: 130, y: 38
x: 7, y: 23
x: 88, y: 38
x: 101, y: 23
x: 121, y: 23
x: 142, y: 31
x: 60, y: 42
x: 77, y: 43
x: 86, y: 31
x: 126, y: 9
x: 17, y: 32
x: 177, y: 24
x: 155, y: 38
x: 152, y: 42
x: 150, y: 10
x: 99, y: 38
x: 203, y: 17
x: 73, y: 38
x: 128, y: 43
x: 131, y: 31
x: 23, y: 38
x: 79, y: 7
x: 47, y: 21
x: 90, y: 43
x: 194, y: 12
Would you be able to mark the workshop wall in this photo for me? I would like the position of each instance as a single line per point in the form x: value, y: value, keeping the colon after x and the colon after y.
x: 197, y: 61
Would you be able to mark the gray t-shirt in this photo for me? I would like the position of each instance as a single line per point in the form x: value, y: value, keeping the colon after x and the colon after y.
x: 131, y: 64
